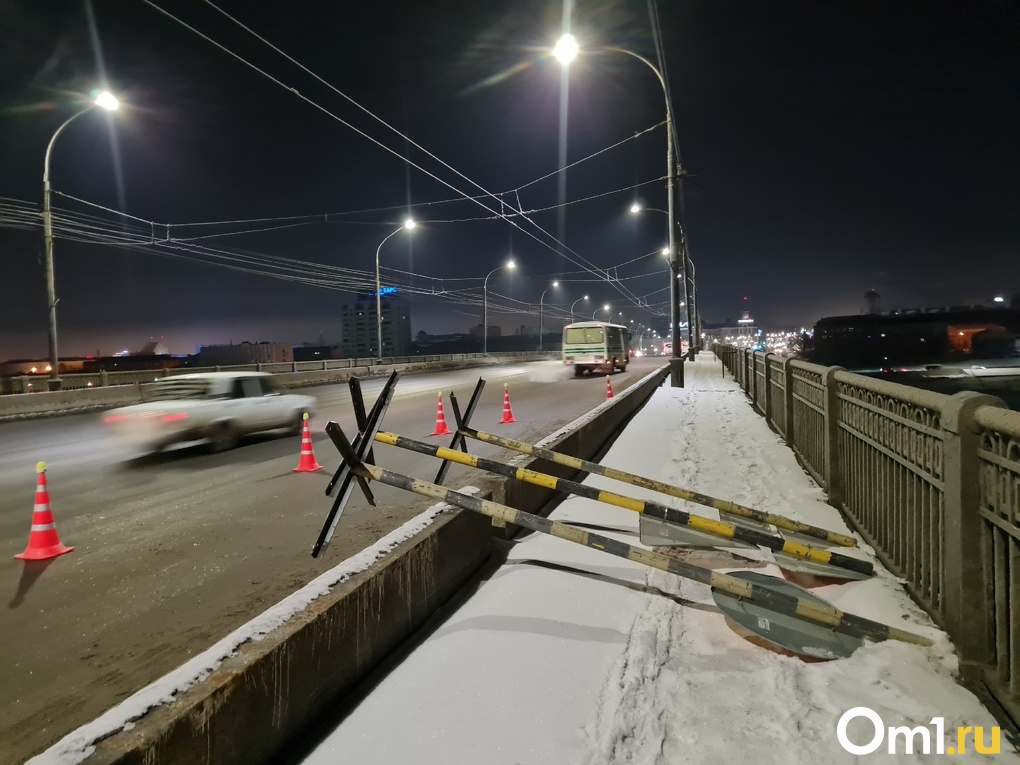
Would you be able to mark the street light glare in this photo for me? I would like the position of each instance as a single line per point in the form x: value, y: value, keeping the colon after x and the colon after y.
x: 556, y: 284
x: 566, y: 49
x: 409, y: 223
x: 635, y: 208
x: 665, y: 251
x: 1000, y: 299
x: 511, y: 264
x: 108, y: 101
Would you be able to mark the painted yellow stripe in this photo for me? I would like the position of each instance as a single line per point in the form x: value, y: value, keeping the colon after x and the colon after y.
x: 628, y: 503
x: 719, y: 528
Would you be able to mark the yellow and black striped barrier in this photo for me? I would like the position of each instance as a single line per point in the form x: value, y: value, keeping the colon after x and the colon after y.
x: 780, y: 602
x: 653, y: 509
x: 722, y: 505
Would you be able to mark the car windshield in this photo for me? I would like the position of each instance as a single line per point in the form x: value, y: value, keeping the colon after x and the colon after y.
x: 166, y: 390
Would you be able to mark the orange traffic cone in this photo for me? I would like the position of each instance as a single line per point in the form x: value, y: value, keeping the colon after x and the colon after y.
x: 441, y: 428
x: 508, y: 413
x: 307, y: 463
x: 609, y: 388
x: 43, y: 540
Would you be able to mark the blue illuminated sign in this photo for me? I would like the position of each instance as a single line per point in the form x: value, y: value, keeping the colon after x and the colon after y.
x: 384, y: 291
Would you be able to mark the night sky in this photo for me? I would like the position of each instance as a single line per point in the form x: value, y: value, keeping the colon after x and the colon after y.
x: 831, y: 148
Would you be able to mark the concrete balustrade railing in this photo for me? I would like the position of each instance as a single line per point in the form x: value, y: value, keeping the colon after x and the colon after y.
x: 27, y: 396
x: 931, y: 481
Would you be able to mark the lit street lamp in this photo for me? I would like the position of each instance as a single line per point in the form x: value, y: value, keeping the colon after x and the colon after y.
x: 693, y: 333
x: 541, y: 324
x: 604, y: 308
x: 408, y: 224
x: 566, y: 50
x: 572, y: 307
x: 104, y: 100
x: 485, y: 304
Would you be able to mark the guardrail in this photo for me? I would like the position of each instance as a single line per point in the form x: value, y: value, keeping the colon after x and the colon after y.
x: 84, y: 380
x: 931, y: 481
x: 121, y: 388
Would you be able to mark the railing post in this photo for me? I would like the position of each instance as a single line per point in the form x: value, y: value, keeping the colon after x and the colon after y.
x: 754, y: 379
x: 293, y: 367
x: 833, y: 479
x: 104, y: 378
x: 768, y: 389
x: 788, y: 395
x: 965, y: 592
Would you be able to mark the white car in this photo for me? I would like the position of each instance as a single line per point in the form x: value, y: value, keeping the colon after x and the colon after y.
x: 219, y: 407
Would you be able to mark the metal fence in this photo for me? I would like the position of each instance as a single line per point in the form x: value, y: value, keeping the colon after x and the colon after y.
x: 931, y: 482
x: 81, y: 381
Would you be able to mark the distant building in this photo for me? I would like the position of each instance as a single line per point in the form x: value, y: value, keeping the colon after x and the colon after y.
x: 495, y: 330
x: 244, y: 353
x: 317, y: 352
x: 359, y: 328
x: 915, y: 336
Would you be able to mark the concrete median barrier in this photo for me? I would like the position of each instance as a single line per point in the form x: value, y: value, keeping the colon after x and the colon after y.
x: 263, y: 688
x: 584, y: 438
x: 248, y: 698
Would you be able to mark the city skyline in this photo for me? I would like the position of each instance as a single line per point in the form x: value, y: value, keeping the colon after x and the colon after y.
x: 829, y: 152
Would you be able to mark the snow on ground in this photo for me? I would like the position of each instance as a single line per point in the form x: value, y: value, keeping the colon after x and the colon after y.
x: 568, y: 655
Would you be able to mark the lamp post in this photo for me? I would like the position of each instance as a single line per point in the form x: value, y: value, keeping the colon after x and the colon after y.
x: 604, y: 308
x: 408, y: 224
x: 572, y: 307
x: 541, y: 324
x: 566, y: 51
x: 107, y: 101
x: 485, y: 305
x: 690, y: 286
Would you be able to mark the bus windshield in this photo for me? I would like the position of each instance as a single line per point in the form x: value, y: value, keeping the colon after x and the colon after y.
x: 585, y: 335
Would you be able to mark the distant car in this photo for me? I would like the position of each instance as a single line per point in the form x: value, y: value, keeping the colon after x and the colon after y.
x: 218, y: 407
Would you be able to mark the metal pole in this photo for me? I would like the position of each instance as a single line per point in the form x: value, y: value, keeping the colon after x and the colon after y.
x: 541, y: 323
x: 378, y: 296
x: 674, y: 293
x: 485, y: 312
x: 51, y: 290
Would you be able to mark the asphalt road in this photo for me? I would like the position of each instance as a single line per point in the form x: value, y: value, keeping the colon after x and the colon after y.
x: 174, y: 551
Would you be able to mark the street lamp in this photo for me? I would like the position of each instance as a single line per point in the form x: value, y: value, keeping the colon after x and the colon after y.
x: 485, y: 305
x: 572, y: 307
x: 408, y: 224
x: 541, y: 324
x: 104, y: 100
x: 690, y: 286
x: 604, y: 308
x: 566, y: 51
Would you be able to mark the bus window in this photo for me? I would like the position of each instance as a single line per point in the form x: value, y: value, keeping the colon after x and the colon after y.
x: 584, y: 335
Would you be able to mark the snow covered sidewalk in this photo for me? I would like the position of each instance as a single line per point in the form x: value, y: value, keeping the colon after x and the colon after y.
x: 568, y: 655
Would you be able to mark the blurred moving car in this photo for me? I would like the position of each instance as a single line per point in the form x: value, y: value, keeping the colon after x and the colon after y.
x: 219, y: 407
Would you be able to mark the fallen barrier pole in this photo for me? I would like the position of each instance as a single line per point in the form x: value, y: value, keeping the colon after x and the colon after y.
x: 587, y: 466
x: 818, y: 613
x: 724, y: 531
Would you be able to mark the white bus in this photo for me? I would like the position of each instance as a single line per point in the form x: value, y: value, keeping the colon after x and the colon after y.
x: 595, y: 346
